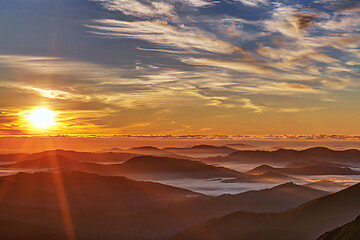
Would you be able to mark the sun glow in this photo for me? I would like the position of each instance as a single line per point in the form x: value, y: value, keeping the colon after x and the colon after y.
x: 41, y: 118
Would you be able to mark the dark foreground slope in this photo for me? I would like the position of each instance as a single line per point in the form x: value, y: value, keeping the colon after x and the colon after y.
x: 302, y: 223
x: 103, y: 207
x: 350, y: 231
x: 14, y: 230
x: 100, y: 207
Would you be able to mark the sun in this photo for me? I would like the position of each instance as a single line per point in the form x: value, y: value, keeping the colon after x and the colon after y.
x: 41, y: 118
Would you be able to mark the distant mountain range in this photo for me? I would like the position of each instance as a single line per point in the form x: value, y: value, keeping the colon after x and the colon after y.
x: 140, y: 167
x: 207, y: 153
x: 197, y: 151
x: 108, y: 157
x: 320, y: 154
x: 321, y: 169
x: 157, y: 167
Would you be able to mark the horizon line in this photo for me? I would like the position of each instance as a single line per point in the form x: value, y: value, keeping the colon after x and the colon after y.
x: 198, y: 136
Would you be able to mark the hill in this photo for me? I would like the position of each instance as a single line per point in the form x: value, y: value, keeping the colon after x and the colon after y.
x: 117, y: 207
x: 321, y: 169
x: 320, y: 154
x: 276, y: 199
x: 110, y: 207
x: 327, y: 184
x: 201, y: 151
x: 167, y: 167
x: 140, y: 167
x: 307, y: 221
x: 350, y: 231
x: 267, y: 177
x: 108, y: 157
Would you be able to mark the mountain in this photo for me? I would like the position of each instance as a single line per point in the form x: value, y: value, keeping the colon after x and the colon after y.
x: 350, y: 231
x: 276, y: 199
x: 119, y: 208
x: 82, y: 186
x: 312, y: 163
x: 201, y: 151
x: 319, y: 170
x: 49, y: 162
x: 327, y: 184
x: 14, y: 157
x: 15, y: 230
x: 307, y: 221
x: 147, y: 150
x: 100, y: 206
x: 320, y: 154
x: 240, y: 145
x: 167, y: 167
x: 323, y: 169
x: 261, y: 169
x: 140, y: 167
x: 108, y: 157
x: 268, y: 177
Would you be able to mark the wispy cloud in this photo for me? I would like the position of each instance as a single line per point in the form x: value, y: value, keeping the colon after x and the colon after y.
x: 189, y: 39
x: 151, y: 9
x: 253, y: 3
x: 234, y: 64
x: 137, y: 8
x: 248, y: 104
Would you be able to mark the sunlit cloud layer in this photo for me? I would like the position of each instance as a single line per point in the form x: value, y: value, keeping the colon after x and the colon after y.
x: 182, y: 66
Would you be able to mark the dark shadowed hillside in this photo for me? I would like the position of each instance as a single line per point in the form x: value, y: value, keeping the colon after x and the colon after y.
x: 275, y: 199
x: 304, y: 222
x: 117, y: 207
x: 350, y: 231
x: 97, y: 204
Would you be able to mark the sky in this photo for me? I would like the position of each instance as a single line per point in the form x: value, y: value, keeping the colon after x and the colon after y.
x: 180, y: 66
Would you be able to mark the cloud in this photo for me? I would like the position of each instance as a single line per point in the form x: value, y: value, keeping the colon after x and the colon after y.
x: 296, y: 87
x: 151, y: 9
x: 353, y: 63
x: 295, y: 110
x: 253, y: 3
x: 139, y: 9
x: 196, y: 3
x: 341, y: 5
x: 55, y: 65
x: 282, y: 88
x: 292, y: 55
x: 290, y: 21
x: 248, y: 104
x: 189, y: 39
x: 234, y: 64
